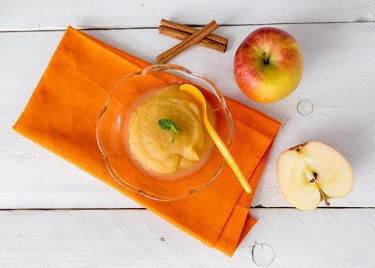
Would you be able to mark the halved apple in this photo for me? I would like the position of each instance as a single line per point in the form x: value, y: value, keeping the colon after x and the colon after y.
x: 313, y: 172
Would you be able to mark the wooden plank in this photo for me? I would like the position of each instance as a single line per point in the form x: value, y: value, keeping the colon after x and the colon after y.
x: 46, y: 15
x: 322, y: 238
x: 338, y: 81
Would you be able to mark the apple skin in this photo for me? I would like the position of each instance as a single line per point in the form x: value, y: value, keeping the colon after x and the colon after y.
x: 268, y: 65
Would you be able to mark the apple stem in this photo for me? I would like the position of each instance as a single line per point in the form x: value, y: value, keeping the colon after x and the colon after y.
x: 266, y: 59
x: 324, y: 197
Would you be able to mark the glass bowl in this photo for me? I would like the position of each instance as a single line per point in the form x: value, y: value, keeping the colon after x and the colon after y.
x: 111, y: 132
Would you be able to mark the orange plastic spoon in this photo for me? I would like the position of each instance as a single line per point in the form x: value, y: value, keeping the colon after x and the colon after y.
x: 198, y: 96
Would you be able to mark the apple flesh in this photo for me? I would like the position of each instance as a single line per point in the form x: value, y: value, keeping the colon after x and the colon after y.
x: 311, y: 173
x: 268, y: 65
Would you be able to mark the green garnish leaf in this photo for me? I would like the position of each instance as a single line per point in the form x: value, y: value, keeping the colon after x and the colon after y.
x: 174, y: 137
x: 169, y: 125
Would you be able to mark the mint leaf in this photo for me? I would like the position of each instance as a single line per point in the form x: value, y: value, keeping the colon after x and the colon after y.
x: 169, y: 125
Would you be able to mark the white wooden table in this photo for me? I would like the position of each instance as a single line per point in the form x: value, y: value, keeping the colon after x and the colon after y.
x: 54, y: 215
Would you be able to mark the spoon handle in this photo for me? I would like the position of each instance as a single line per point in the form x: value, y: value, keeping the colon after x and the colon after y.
x: 227, y: 156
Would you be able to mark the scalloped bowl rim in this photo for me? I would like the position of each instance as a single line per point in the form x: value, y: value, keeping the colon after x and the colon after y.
x: 161, y: 67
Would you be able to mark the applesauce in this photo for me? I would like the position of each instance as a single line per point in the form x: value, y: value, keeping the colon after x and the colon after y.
x: 154, y: 148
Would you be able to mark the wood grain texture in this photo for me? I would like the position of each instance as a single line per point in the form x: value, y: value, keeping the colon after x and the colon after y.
x: 56, y: 14
x: 338, y: 80
x: 322, y: 238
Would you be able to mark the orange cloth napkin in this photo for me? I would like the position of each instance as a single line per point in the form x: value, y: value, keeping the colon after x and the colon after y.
x: 62, y: 113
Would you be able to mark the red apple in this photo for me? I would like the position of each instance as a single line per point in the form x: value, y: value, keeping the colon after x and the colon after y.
x: 268, y: 65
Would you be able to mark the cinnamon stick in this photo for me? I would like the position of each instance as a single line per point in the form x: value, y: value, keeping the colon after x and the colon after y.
x: 205, y: 42
x: 190, y: 30
x: 187, y: 42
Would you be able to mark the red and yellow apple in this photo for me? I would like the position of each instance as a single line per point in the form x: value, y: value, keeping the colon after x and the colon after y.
x: 268, y: 65
x: 311, y: 173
